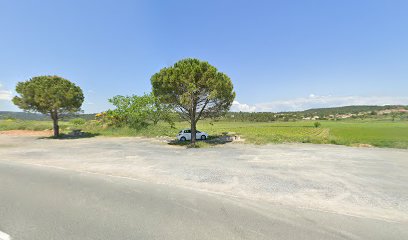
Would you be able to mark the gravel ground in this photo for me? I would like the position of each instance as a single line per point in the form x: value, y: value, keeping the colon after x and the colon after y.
x: 362, y: 182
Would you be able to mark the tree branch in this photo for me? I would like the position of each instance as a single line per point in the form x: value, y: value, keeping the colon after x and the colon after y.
x: 202, y: 109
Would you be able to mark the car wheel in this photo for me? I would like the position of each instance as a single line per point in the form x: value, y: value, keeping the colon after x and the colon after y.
x: 203, y: 137
x: 183, y: 139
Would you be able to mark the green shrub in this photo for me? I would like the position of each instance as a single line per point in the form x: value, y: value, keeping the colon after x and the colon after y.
x: 77, y: 121
x: 317, y: 124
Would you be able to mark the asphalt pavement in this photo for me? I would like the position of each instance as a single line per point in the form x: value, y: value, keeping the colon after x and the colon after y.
x: 47, y: 203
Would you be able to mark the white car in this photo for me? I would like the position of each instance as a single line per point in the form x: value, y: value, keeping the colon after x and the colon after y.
x: 185, y: 134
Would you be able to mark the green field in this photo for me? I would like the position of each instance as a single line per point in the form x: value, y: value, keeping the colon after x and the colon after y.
x: 29, y: 125
x: 376, y: 133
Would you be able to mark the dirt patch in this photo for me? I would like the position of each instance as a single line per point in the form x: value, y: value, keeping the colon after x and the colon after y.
x: 27, y: 133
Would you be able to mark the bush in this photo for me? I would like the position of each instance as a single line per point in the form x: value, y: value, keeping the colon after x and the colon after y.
x: 77, y: 121
x: 317, y: 124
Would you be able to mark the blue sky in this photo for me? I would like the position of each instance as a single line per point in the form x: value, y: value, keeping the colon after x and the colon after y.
x: 281, y: 55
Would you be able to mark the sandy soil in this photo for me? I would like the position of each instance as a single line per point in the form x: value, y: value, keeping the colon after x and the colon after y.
x: 363, y: 182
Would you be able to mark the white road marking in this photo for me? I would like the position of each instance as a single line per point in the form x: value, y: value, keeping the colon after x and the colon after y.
x: 4, y: 236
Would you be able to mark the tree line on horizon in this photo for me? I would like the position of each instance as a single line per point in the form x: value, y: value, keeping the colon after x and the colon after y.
x: 235, y: 116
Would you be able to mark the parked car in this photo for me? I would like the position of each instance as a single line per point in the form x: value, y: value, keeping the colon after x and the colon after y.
x: 185, y: 135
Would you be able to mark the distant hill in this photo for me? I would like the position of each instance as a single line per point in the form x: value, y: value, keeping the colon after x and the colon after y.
x: 22, y: 115
x: 238, y: 116
x: 40, y: 117
x: 322, y: 113
x: 349, y: 109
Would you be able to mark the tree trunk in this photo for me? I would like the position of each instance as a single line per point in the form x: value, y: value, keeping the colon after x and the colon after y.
x: 54, y: 117
x: 193, y: 124
x: 193, y: 131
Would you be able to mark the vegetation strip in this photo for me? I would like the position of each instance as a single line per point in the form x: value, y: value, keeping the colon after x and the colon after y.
x: 352, y: 132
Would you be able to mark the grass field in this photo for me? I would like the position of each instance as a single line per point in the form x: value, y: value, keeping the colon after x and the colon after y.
x: 29, y: 125
x: 375, y: 133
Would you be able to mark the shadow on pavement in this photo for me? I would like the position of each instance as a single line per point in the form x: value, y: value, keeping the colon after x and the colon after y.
x: 211, y: 141
x: 73, y: 136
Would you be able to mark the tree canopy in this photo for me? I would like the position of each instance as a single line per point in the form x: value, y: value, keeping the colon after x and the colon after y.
x: 194, y: 88
x: 137, y: 111
x: 52, y: 95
